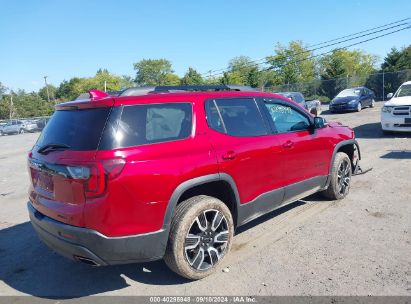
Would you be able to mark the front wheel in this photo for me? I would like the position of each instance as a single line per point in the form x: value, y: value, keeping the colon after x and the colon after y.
x: 201, y: 234
x: 359, y: 107
x: 340, y: 182
x: 372, y: 105
x: 21, y: 131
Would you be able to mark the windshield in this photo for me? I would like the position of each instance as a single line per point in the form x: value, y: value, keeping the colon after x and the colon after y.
x: 404, y: 90
x: 79, y: 129
x: 349, y: 93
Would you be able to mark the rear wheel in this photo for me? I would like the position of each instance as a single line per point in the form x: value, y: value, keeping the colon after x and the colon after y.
x: 340, y: 182
x: 200, y: 237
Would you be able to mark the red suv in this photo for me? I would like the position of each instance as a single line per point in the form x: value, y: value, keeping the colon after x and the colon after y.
x: 170, y: 172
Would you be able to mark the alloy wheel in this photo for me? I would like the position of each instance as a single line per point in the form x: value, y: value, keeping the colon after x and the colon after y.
x: 206, y: 241
x: 343, y: 177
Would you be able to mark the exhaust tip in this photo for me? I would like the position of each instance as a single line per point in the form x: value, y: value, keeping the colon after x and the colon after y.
x: 87, y: 261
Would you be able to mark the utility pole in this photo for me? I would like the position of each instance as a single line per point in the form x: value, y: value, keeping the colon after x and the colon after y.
x: 11, y: 105
x: 47, y: 88
x: 105, y: 85
x: 383, y: 84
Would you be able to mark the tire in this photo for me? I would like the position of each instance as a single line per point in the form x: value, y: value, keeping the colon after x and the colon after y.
x: 200, y: 255
x: 21, y: 131
x: 372, y: 105
x: 341, y: 173
x: 359, y: 107
x: 387, y: 132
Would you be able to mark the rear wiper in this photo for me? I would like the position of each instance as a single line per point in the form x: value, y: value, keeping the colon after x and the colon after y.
x: 49, y: 147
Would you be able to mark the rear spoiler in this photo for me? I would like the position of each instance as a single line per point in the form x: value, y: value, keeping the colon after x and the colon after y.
x: 88, y: 100
x: 92, y: 95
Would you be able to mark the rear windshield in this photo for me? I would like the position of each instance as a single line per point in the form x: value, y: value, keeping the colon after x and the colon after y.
x: 79, y: 129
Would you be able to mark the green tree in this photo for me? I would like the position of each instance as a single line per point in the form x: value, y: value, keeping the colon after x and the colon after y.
x: 292, y: 63
x: 344, y: 68
x: 25, y: 105
x: 153, y: 72
x: 69, y: 90
x: 3, y: 90
x: 396, y: 68
x: 242, y: 71
x: 192, y: 77
x: 126, y: 82
x: 52, y: 92
x: 397, y: 60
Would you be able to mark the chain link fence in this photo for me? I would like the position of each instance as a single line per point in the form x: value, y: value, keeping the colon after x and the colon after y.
x: 381, y: 83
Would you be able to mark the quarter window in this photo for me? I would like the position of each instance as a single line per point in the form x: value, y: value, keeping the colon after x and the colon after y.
x: 285, y: 118
x: 145, y: 124
x: 236, y: 117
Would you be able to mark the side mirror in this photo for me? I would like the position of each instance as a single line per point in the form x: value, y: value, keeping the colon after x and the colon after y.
x: 319, y: 122
x: 389, y: 95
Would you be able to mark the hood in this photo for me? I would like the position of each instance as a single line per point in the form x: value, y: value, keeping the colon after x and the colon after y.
x: 399, y: 101
x: 343, y: 100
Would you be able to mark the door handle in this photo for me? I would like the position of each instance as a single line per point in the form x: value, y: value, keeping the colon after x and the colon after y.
x: 288, y: 144
x: 230, y: 155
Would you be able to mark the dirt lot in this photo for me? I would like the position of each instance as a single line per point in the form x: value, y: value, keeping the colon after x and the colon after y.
x: 358, y: 246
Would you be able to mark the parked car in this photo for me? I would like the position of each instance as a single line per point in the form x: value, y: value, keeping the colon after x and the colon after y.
x: 12, y: 127
x: 312, y: 106
x: 29, y: 126
x: 144, y: 175
x: 41, y: 123
x: 354, y: 99
x: 2, y: 124
x: 396, y: 112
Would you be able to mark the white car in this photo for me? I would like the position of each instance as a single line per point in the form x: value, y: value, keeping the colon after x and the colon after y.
x: 396, y: 113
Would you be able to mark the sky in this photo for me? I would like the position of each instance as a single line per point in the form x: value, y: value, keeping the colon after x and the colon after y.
x: 74, y: 38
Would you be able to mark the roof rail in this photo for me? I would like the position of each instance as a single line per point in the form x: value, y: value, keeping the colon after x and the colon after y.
x: 190, y: 88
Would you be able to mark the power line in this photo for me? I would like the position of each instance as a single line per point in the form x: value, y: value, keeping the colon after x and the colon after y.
x: 354, y: 34
x: 344, y: 47
x: 264, y: 59
x: 322, y: 54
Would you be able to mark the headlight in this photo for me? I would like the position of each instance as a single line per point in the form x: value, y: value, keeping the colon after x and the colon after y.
x: 352, y: 101
x: 387, y: 109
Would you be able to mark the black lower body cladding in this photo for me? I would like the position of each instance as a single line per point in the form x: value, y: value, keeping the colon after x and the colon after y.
x: 92, y: 247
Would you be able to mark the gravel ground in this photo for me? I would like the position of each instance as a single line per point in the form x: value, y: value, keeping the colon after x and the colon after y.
x: 358, y: 246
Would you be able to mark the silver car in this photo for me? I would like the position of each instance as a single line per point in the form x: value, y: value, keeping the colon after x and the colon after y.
x: 12, y: 127
x: 29, y: 126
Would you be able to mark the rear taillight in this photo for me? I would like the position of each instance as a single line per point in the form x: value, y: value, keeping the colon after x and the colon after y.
x: 95, y: 185
x: 96, y: 175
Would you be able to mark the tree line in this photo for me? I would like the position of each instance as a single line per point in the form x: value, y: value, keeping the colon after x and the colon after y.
x: 290, y: 64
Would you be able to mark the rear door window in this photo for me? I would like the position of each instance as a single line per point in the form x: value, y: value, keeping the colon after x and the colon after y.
x: 79, y: 129
x: 146, y: 124
x: 236, y: 117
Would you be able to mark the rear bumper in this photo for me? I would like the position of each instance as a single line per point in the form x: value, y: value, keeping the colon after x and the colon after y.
x: 88, y: 245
